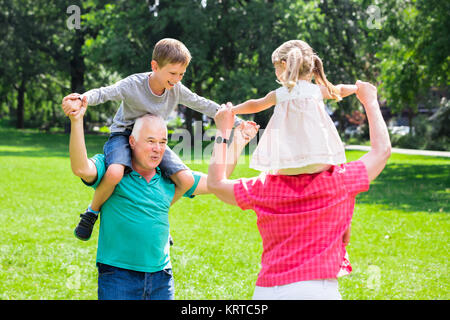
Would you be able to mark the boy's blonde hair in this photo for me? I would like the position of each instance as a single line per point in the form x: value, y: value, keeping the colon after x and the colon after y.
x: 171, y: 51
x: 301, y: 61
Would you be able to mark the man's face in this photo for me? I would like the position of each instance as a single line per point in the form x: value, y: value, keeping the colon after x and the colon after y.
x: 168, y: 75
x: 148, y: 148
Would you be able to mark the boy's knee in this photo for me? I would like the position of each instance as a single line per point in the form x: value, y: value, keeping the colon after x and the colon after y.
x: 114, y: 173
x: 183, y: 179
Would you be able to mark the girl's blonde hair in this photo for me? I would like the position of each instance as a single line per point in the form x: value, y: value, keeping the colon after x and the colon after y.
x: 301, y: 61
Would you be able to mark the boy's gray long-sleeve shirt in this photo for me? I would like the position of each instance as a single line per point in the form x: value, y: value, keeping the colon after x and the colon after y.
x: 138, y: 99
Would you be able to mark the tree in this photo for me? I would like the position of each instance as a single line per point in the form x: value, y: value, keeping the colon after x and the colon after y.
x: 415, y: 56
x: 30, y: 54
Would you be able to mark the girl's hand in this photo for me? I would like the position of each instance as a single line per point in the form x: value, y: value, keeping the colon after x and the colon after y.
x: 245, y: 132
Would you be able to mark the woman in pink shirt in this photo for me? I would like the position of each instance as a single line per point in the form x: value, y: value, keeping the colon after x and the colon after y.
x: 303, y: 219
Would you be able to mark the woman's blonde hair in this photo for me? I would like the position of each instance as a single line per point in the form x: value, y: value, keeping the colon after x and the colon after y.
x: 301, y: 61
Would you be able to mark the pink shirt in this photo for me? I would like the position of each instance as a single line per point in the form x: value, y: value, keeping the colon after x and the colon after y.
x: 302, y: 220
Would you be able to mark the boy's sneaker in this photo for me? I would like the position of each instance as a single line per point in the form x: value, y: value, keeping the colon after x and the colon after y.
x: 84, y: 228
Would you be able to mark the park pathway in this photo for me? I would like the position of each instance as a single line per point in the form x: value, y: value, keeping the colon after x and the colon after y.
x: 404, y: 151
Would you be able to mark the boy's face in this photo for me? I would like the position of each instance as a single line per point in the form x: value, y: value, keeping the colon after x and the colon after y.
x: 168, y: 75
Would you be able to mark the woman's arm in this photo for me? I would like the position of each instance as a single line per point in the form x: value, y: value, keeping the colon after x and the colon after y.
x: 255, y: 105
x: 243, y: 133
x: 376, y: 159
x: 217, y: 180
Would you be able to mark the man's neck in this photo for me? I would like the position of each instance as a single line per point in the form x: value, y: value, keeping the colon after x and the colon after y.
x: 146, y: 173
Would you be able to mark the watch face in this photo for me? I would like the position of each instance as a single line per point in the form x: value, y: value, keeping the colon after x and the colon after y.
x: 219, y: 139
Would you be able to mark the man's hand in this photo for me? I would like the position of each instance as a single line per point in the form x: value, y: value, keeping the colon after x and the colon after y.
x: 71, y: 103
x: 79, y: 114
x: 73, y: 107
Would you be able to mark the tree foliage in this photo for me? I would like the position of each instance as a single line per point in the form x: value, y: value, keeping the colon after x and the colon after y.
x: 404, y: 49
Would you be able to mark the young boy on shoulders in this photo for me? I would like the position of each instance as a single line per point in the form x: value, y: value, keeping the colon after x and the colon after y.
x: 157, y: 92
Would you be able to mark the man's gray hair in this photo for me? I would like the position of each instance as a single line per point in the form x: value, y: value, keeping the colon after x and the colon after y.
x: 143, y: 119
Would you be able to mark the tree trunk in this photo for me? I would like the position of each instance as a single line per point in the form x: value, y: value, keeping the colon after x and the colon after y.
x: 188, y: 118
x: 77, y: 70
x: 410, y: 120
x: 20, y: 105
x: 77, y: 66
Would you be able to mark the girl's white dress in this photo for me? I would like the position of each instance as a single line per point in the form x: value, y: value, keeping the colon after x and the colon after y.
x: 300, y: 137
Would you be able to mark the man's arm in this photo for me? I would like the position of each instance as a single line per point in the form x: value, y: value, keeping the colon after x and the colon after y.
x: 81, y: 165
x: 375, y: 160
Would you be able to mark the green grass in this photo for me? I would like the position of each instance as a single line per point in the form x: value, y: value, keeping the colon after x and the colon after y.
x: 399, y: 245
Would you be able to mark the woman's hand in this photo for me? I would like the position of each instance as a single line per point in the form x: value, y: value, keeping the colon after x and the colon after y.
x: 245, y: 132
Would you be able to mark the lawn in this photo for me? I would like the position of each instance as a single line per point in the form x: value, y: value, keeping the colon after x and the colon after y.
x: 399, y: 247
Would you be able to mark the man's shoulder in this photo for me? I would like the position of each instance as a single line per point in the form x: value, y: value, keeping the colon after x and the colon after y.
x: 98, y: 159
x: 100, y: 165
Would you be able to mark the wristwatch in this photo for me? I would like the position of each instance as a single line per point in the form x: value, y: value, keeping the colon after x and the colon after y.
x: 220, y: 139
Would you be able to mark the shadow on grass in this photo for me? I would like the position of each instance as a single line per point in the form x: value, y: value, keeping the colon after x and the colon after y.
x: 411, y: 187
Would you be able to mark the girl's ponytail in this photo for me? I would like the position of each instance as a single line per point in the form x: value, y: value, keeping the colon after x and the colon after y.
x: 294, y: 63
x: 320, y: 78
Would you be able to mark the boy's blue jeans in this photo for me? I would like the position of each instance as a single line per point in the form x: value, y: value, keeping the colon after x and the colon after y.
x: 123, y: 284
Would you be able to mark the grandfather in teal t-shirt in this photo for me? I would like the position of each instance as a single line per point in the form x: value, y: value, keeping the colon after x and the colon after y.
x: 133, y: 247
x: 134, y: 221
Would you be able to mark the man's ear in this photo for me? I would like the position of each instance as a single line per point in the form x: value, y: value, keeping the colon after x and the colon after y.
x: 132, y: 142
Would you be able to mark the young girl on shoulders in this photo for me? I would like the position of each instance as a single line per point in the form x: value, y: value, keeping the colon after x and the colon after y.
x: 300, y: 137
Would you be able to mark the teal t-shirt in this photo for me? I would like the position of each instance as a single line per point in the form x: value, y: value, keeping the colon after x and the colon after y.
x: 134, y: 221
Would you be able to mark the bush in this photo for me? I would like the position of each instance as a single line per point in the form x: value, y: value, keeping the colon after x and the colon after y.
x: 432, y: 133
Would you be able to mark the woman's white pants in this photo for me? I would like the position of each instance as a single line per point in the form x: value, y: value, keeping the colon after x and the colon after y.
x: 323, y: 289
